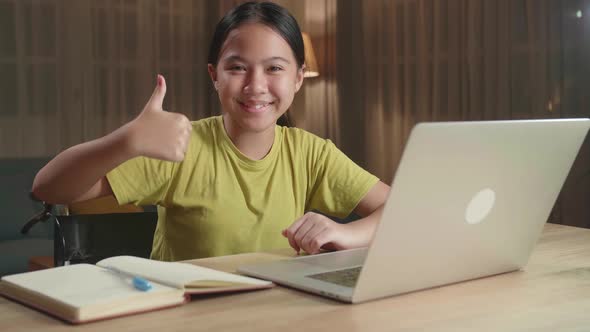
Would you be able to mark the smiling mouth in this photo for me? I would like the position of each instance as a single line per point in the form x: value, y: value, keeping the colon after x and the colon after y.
x: 255, y: 108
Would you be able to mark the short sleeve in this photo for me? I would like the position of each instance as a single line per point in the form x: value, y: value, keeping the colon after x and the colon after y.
x: 142, y: 181
x: 337, y: 183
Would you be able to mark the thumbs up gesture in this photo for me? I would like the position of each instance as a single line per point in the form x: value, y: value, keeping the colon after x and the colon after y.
x: 158, y: 134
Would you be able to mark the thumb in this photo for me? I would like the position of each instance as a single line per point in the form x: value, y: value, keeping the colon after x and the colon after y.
x: 157, y: 98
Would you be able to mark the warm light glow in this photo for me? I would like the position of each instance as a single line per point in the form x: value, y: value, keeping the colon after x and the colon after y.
x: 311, y: 65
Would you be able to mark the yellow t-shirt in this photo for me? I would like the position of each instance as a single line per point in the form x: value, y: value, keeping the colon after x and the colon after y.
x: 219, y: 202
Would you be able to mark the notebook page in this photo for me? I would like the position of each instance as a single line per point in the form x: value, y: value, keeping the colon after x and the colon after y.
x: 174, y: 274
x: 81, y: 285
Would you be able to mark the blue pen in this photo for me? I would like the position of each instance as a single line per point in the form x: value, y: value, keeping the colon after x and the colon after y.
x: 139, y: 283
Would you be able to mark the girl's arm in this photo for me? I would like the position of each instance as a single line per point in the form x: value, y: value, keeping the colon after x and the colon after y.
x: 79, y: 173
x: 314, y: 231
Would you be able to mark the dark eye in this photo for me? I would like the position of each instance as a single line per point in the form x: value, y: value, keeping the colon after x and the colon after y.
x: 237, y: 68
x: 275, y: 69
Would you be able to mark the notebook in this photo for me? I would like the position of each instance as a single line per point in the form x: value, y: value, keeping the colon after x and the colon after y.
x: 83, y: 292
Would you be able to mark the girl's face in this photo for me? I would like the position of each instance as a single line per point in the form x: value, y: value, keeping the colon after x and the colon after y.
x: 256, y: 78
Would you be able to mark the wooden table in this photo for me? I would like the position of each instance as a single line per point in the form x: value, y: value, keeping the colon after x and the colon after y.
x: 552, y: 294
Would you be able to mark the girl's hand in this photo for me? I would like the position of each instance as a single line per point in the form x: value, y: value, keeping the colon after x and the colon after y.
x: 314, y: 231
x: 156, y: 133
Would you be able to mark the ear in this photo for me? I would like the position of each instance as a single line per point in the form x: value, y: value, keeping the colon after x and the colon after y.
x: 299, y: 78
x: 212, y: 74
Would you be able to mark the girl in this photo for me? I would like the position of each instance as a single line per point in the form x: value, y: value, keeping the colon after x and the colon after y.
x: 236, y: 182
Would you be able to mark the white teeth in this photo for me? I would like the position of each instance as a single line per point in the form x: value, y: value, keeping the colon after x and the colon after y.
x: 256, y: 106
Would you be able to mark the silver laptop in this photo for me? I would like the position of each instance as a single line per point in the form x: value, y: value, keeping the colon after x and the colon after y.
x: 469, y: 200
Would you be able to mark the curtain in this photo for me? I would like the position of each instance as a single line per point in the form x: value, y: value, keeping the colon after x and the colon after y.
x: 444, y: 60
x: 76, y: 70
x: 405, y: 61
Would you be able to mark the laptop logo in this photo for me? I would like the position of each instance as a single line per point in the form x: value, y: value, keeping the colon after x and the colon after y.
x: 480, y: 206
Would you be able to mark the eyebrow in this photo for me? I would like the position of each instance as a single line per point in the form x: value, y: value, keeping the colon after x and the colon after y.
x: 239, y: 58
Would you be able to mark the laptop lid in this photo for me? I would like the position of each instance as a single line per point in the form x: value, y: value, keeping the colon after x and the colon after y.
x: 469, y: 199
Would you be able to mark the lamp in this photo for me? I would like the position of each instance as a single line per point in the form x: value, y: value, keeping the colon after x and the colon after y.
x: 311, y: 65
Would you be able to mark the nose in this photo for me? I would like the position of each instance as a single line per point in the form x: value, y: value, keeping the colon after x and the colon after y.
x: 256, y: 83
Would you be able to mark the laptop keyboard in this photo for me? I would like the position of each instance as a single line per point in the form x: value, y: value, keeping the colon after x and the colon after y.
x: 346, y: 277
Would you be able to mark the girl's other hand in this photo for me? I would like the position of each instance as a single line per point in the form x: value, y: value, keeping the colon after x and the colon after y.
x: 314, y: 231
x: 156, y: 133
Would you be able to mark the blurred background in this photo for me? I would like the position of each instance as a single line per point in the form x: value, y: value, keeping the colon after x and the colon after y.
x: 74, y: 70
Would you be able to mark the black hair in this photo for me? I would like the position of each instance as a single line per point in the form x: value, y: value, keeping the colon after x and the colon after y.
x: 270, y: 14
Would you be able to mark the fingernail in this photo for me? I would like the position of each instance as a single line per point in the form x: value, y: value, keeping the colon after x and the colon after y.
x: 159, y: 79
